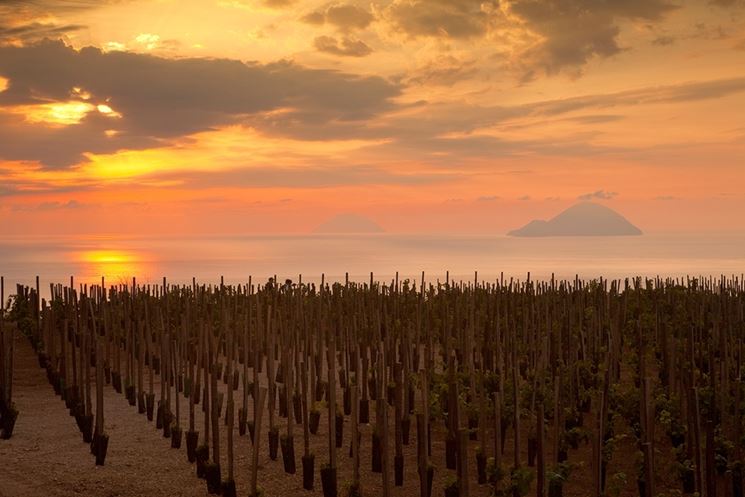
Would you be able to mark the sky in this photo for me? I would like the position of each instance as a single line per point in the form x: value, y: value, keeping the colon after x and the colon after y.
x: 443, y: 116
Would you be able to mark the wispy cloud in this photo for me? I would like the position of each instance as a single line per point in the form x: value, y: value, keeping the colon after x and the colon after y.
x: 50, y: 206
x: 598, y: 195
x: 346, y: 47
x: 488, y: 198
x: 345, y: 17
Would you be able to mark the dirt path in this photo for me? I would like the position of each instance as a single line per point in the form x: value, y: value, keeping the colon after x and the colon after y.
x: 47, y: 456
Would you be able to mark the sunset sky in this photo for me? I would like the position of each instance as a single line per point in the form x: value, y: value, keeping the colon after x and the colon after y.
x: 462, y: 116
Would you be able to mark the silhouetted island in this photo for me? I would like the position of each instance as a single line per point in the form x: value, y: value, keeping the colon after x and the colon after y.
x: 583, y: 219
x: 349, y: 223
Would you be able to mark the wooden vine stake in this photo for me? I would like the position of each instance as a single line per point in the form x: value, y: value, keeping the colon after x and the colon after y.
x: 259, y: 407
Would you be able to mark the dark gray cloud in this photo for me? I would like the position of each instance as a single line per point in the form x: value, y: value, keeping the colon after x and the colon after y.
x: 35, y: 31
x: 64, y: 146
x: 570, y: 32
x: 346, y: 47
x: 446, y: 134
x: 28, y: 21
x: 544, y: 10
x: 166, y: 99
x: 161, y: 99
x: 575, y: 31
x: 442, y: 18
x: 345, y: 17
x: 348, y: 16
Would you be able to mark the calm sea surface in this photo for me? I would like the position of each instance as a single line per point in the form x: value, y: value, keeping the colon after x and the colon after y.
x: 118, y: 259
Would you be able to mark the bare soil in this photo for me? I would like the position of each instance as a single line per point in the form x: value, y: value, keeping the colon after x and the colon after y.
x: 47, y: 456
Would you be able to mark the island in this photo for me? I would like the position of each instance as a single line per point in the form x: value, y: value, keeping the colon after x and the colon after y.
x: 583, y: 219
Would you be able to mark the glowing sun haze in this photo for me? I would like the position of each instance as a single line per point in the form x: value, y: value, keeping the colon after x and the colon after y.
x: 245, y: 116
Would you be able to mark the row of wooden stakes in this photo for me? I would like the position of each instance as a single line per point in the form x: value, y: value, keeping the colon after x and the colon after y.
x: 493, y: 360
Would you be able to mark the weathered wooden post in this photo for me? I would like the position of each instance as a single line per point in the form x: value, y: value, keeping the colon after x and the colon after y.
x: 259, y: 408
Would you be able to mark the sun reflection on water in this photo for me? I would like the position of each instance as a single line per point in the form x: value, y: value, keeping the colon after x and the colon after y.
x: 116, y: 265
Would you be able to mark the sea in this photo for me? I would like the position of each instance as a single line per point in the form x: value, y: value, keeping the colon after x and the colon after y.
x: 233, y: 259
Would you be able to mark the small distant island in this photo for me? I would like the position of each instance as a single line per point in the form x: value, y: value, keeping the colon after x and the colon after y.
x: 583, y: 219
x: 349, y: 223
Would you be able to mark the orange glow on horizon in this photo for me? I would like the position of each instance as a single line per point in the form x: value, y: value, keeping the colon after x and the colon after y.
x: 107, y: 257
x: 116, y: 264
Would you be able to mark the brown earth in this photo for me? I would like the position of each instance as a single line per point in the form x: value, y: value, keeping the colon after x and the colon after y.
x: 47, y: 456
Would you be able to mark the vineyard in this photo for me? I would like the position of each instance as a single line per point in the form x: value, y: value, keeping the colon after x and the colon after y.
x: 479, y: 388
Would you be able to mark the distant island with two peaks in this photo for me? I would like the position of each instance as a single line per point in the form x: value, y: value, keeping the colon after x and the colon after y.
x: 583, y: 219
